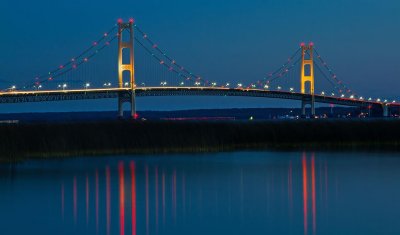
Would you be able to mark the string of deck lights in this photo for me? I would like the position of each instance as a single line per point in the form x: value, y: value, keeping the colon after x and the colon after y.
x: 286, y: 67
x: 75, y: 62
x: 342, y: 85
x: 162, y: 63
x: 172, y: 65
x: 332, y: 74
x: 335, y: 88
x: 280, y: 72
x: 167, y: 61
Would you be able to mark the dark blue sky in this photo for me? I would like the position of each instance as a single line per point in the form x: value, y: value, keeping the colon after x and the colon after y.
x: 236, y: 40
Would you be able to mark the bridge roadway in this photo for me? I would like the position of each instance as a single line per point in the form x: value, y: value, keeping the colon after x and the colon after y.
x: 103, y: 93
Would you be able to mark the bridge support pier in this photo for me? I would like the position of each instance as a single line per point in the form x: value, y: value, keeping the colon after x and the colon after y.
x: 385, y: 110
x: 307, y: 78
x: 127, y: 98
x: 128, y: 66
x: 120, y: 107
x: 304, y: 103
x: 133, y: 104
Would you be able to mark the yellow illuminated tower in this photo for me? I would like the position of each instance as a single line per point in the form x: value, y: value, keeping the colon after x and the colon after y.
x: 307, y: 68
x: 125, y: 45
x: 126, y: 66
x: 307, y: 77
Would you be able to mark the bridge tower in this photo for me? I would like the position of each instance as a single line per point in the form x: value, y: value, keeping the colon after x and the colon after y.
x: 126, y: 66
x: 307, y: 77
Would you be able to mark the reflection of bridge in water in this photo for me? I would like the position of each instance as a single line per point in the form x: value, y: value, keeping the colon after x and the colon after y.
x: 142, y: 198
x: 188, y: 83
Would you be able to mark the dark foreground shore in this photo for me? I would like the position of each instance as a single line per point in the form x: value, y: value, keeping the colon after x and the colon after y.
x: 21, y: 141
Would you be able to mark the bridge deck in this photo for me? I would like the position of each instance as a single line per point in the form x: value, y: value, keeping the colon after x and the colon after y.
x: 102, y: 93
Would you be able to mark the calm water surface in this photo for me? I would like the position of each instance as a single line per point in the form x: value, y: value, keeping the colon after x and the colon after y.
x: 224, y: 193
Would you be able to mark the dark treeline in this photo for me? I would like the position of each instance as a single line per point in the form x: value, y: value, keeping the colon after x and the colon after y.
x: 19, y: 141
x: 238, y: 114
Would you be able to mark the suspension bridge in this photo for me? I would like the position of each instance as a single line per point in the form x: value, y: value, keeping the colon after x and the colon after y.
x: 76, y: 80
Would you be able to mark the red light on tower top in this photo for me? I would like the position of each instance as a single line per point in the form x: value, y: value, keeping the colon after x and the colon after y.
x: 311, y: 44
x: 131, y: 20
x: 120, y: 21
x: 302, y: 44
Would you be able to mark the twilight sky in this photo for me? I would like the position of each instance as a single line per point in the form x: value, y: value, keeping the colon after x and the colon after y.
x: 237, y: 40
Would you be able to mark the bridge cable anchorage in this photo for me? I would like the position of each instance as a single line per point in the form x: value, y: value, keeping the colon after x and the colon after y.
x: 74, y: 62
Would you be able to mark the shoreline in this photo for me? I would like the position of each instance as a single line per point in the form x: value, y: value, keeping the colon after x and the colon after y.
x: 57, y: 140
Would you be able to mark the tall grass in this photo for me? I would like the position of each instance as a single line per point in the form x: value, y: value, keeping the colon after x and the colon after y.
x: 61, y: 139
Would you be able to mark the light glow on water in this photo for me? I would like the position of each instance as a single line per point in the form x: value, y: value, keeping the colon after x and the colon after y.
x: 214, y: 193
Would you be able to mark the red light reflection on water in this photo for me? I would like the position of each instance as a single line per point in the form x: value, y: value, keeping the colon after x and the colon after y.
x: 313, y: 197
x: 133, y: 196
x: 290, y: 188
x: 108, y: 200
x: 305, y: 194
x: 171, y: 181
x: 121, y: 198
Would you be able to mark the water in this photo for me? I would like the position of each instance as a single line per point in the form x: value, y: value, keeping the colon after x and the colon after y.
x: 223, y: 193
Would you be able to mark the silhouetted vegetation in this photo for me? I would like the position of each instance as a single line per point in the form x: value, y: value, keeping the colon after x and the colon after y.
x: 19, y: 141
